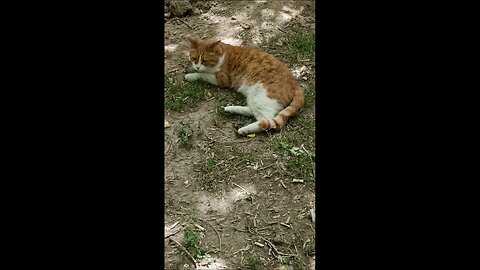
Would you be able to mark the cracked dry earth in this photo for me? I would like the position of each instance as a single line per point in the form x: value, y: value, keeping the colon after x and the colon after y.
x: 251, y: 216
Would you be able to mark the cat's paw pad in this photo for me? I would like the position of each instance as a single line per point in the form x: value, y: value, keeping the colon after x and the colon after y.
x: 191, y: 77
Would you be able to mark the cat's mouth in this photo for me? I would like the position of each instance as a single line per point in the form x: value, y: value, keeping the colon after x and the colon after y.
x: 192, y: 69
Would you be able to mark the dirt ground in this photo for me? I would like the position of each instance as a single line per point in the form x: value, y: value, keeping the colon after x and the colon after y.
x: 253, y: 216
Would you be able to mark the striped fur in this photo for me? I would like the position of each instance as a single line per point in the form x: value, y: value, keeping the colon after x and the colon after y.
x: 273, y: 95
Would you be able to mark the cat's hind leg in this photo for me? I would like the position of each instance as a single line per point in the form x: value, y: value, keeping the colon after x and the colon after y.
x: 243, y: 110
x: 262, y: 117
x: 249, y: 129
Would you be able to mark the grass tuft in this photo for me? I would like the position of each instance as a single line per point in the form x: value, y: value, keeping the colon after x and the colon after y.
x: 185, y: 134
x: 298, y: 43
x: 309, y: 93
x: 253, y: 262
x: 180, y: 94
x: 302, y: 42
x: 193, y: 245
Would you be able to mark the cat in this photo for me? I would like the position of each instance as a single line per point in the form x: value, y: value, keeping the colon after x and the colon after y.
x: 273, y: 95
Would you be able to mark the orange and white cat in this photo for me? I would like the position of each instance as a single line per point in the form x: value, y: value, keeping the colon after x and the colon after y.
x: 273, y: 95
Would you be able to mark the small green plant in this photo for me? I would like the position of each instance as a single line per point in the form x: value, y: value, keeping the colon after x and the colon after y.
x: 281, y: 142
x: 185, y: 134
x: 193, y: 243
x: 283, y: 145
x: 253, y: 262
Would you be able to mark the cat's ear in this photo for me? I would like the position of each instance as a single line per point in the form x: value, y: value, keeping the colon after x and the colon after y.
x: 214, y: 46
x: 193, y: 42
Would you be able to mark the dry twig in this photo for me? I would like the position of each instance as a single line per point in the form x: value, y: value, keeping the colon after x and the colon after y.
x: 240, y: 230
x: 248, y: 193
x: 259, y: 244
x: 268, y: 166
x: 242, y: 249
x: 200, y: 227
x: 186, y: 251
x: 286, y: 225
x: 242, y: 141
x: 185, y: 23
x: 173, y: 233
x: 174, y: 224
x: 218, y: 234
x: 276, y: 250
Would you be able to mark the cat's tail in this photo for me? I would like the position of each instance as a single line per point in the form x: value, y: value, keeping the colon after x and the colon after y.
x: 281, y: 119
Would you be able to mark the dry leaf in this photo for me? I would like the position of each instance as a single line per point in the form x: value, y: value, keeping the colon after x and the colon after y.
x: 167, y: 124
x: 251, y: 135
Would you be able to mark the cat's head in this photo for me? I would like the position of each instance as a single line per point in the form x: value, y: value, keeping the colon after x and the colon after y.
x: 206, y: 55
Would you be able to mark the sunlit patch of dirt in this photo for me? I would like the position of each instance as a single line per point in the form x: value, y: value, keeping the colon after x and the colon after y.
x: 249, y: 23
x: 222, y: 203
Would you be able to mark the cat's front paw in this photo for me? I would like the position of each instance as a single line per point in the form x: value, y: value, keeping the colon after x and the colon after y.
x: 242, y: 131
x: 228, y: 109
x: 192, y: 77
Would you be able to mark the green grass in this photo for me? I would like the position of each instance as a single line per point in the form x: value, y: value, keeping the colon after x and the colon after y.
x: 288, y: 145
x: 302, y: 42
x: 193, y: 245
x: 253, y: 262
x: 302, y: 132
x: 185, y: 134
x: 179, y: 94
x: 309, y: 93
x: 300, y: 166
x: 248, y: 157
x: 298, y: 43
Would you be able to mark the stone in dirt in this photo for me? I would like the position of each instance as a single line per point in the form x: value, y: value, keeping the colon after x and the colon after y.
x: 180, y: 7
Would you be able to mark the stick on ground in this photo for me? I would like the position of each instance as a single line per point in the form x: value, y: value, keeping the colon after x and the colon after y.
x: 185, y: 250
x: 218, y: 234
